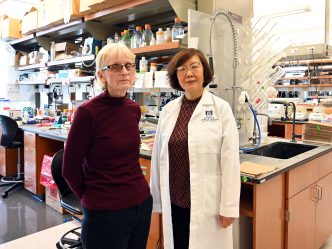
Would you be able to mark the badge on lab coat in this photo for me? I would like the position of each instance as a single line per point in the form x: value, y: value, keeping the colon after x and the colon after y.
x: 209, y: 114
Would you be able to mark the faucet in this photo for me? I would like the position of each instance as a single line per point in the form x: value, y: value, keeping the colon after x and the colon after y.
x: 254, y: 133
x: 294, y: 136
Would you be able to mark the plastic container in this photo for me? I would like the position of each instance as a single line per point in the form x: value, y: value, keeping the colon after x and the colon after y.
x: 168, y: 35
x: 143, y: 65
x: 160, y: 36
x: 177, y: 30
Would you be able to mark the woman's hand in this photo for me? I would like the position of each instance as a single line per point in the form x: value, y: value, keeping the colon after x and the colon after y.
x: 226, y: 221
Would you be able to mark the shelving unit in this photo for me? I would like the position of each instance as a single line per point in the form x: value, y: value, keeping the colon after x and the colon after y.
x: 31, y: 67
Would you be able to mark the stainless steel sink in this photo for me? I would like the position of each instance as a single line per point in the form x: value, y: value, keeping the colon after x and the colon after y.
x: 281, y: 150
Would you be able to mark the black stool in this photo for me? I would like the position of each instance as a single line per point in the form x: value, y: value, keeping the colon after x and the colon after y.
x: 69, y: 201
x: 11, y: 138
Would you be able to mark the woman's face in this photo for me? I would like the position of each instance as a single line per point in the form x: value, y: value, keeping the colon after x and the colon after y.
x: 191, y: 75
x: 119, y: 76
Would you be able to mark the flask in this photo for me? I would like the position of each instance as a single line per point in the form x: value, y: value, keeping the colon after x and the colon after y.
x: 160, y: 36
x: 177, y: 30
x: 143, y: 65
x: 147, y: 35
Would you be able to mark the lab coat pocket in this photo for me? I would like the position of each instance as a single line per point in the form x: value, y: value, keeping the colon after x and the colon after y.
x: 212, y: 192
x: 209, y: 157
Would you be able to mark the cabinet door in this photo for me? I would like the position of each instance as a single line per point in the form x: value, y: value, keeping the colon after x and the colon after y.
x: 146, y: 168
x: 323, y: 211
x: 289, y: 130
x: 30, y: 177
x: 300, y: 229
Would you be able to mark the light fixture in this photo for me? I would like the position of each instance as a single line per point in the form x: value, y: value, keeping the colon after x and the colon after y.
x: 287, y: 12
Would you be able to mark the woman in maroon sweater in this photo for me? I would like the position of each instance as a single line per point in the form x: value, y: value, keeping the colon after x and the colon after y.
x: 101, y: 159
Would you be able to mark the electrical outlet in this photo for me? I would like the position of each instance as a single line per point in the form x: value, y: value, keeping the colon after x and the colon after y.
x: 310, y: 49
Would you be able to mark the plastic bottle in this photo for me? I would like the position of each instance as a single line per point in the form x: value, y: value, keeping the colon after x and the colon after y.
x: 143, y: 65
x: 147, y: 35
x: 126, y: 38
x: 160, y: 36
x: 116, y: 38
x: 138, y: 37
x: 168, y: 35
x: 177, y: 30
x: 153, y: 41
x: 153, y: 67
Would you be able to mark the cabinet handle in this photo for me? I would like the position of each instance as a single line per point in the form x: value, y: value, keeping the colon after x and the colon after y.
x: 315, y: 194
x: 320, y: 192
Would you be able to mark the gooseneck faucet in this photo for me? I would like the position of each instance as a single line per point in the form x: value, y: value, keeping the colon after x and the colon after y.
x: 254, y: 133
x: 294, y: 136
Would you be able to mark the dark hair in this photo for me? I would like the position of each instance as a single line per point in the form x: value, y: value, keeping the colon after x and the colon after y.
x: 179, y: 59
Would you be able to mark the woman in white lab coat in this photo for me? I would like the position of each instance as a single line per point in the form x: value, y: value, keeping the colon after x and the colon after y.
x: 195, y: 179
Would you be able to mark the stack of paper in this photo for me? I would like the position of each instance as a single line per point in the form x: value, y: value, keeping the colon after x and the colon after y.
x: 318, y: 132
x: 255, y: 169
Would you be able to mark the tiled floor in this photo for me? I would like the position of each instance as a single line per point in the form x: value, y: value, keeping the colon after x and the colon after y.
x: 21, y: 214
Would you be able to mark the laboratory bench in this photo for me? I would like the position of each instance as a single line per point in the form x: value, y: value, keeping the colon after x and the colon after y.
x: 287, y: 208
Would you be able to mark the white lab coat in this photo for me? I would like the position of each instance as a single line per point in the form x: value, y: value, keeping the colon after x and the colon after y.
x: 214, y: 172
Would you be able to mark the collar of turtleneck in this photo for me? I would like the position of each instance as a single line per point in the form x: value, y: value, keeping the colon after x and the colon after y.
x: 113, y: 100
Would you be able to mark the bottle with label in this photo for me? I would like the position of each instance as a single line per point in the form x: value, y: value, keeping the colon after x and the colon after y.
x: 147, y: 35
x: 160, y: 36
x: 177, y: 30
x: 137, y: 40
x: 126, y: 38
x: 168, y: 35
x: 143, y: 65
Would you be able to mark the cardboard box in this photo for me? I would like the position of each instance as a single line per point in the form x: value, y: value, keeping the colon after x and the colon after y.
x: 52, y: 199
x: 85, y: 6
x: 10, y: 28
x: 30, y: 21
x: 41, y: 19
x: 65, y: 47
x: 56, y: 11
x: 106, y: 4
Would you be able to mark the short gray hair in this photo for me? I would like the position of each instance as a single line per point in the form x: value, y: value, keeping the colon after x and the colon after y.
x: 107, y: 53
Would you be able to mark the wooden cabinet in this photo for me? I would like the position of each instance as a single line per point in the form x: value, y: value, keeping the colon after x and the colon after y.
x: 284, y: 130
x: 308, y: 204
x: 35, y: 147
x: 8, y: 161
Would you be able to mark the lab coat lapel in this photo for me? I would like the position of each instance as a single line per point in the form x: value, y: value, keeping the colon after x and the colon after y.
x: 206, y: 101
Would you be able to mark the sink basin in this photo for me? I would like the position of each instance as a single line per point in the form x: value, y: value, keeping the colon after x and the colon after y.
x: 281, y: 150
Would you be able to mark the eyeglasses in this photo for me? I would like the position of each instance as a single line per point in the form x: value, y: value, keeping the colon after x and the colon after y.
x: 117, y: 68
x: 194, y: 68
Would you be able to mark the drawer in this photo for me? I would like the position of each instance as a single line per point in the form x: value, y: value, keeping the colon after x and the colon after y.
x: 29, y: 154
x: 29, y: 139
x: 30, y: 177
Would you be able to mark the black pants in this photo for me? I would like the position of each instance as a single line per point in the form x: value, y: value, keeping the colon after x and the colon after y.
x: 123, y: 229
x: 181, y: 221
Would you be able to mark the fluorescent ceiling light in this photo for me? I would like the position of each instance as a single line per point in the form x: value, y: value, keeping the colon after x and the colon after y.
x: 287, y: 12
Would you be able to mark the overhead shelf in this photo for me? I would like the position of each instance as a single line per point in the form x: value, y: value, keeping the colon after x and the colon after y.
x: 161, y: 49
x: 303, y: 86
x: 71, y: 60
x: 32, y: 82
x: 31, y: 67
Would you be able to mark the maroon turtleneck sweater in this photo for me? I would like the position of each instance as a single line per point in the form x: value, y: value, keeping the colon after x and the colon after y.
x: 101, y: 155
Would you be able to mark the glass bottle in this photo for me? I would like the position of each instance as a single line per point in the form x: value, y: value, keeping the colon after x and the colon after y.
x: 147, y: 35
x: 126, y: 38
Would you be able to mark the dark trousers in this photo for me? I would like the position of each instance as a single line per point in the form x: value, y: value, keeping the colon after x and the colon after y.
x: 181, y: 221
x: 123, y: 229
